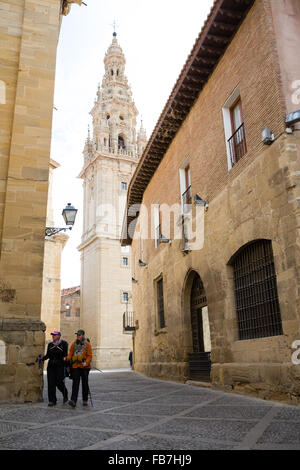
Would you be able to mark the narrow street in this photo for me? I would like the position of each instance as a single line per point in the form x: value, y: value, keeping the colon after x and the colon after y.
x: 133, y: 412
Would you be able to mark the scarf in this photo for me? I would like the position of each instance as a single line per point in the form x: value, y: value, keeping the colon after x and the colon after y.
x: 56, y: 343
x: 80, y: 351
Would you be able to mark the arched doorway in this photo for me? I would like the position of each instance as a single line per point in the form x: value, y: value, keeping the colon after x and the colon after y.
x: 199, y: 359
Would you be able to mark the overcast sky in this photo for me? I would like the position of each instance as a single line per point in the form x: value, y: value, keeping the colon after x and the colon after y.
x: 156, y: 37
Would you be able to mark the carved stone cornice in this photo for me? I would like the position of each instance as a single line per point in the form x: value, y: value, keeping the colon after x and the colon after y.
x: 66, y: 6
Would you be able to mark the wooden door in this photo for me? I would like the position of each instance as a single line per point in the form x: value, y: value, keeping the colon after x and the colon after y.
x: 198, y: 302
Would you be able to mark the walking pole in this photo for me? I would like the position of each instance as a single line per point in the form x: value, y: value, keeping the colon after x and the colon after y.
x: 90, y: 396
x: 99, y: 370
x: 65, y: 388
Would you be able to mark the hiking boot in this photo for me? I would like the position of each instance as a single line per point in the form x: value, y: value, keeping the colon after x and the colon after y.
x: 65, y: 399
x: 85, y: 403
x: 51, y: 403
x: 72, y: 403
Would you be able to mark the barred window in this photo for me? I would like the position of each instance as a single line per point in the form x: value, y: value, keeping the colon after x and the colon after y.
x: 160, y: 304
x: 258, y: 311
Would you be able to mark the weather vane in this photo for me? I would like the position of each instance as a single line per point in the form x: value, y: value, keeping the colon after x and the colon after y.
x: 114, y: 25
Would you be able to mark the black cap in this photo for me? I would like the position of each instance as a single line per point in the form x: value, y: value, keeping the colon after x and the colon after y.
x: 80, y: 332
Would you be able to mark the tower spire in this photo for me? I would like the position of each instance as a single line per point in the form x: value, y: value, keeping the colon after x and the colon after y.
x: 114, y: 25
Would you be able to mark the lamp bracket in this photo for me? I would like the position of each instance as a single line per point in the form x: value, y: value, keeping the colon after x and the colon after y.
x: 49, y: 231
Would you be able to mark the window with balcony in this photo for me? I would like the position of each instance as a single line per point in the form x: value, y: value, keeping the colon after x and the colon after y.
x: 157, y: 224
x: 185, y: 187
x: 235, y: 135
x: 237, y: 142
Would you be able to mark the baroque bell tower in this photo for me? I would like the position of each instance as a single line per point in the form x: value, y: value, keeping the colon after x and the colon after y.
x: 110, y: 158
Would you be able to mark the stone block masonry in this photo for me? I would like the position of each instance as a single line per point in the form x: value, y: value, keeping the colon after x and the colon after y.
x: 29, y: 31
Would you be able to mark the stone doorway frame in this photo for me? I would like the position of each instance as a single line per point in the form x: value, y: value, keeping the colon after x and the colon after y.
x: 191, y: 275
x: 186, y: 309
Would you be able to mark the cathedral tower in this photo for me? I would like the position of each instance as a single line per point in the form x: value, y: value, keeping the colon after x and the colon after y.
x: 110, y: 158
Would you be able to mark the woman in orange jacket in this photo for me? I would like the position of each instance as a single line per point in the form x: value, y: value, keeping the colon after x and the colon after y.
x: 79, y: 359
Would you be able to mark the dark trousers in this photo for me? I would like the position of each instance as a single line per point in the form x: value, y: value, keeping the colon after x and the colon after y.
x: 84, y: 375
x: 55, y: 377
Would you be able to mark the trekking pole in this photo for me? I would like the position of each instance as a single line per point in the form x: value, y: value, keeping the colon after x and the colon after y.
x: 90, y: 396
x: 99, y: 370
x: 65, y: 394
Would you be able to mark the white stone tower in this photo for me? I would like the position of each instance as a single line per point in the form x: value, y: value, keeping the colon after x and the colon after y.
x: 110, y: 158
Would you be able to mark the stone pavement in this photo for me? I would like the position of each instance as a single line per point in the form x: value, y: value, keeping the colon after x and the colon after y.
x: 133, y: 412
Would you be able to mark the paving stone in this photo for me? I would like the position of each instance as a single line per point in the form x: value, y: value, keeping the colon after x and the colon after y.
x: 150, y: 409
x: 113, y: 421
x: 185, y: 399
x: 53, y: 438
x: 281, y: 433
x: 119, y: 398
x: 146, y: 442
x: 100, y: 405
x: 238, y: 400
x: 5, y: 428
x: 229, y: 412
x: 36, y: 414
x: 133, y: 412
x: 229, y: 430
x: 288, y: 413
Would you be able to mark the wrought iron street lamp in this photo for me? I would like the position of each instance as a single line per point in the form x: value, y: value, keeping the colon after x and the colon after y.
x: 69, y: 215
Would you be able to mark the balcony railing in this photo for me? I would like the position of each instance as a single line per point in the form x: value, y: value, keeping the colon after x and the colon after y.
x: 237, y: 145
x: 117, y: 151
x: 128, y: 322
x: 187, y: 199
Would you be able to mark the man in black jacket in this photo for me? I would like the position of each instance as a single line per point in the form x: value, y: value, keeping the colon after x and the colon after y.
x: 57, y: 352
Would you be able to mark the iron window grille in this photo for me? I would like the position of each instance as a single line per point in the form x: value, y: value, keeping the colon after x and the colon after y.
x: 187, y: 199
x: 237, y: 145
x: 258, y: 311
x: 160, y: 304
x: 128, y: 321
x: 157, y: 234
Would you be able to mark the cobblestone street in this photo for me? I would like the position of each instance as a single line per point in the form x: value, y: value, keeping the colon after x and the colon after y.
x: 133, y: 412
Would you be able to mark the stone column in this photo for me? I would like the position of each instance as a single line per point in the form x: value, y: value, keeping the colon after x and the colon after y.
x: 30, y: 31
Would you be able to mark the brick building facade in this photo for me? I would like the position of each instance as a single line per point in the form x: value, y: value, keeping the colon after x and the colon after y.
x: 227, y: 308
